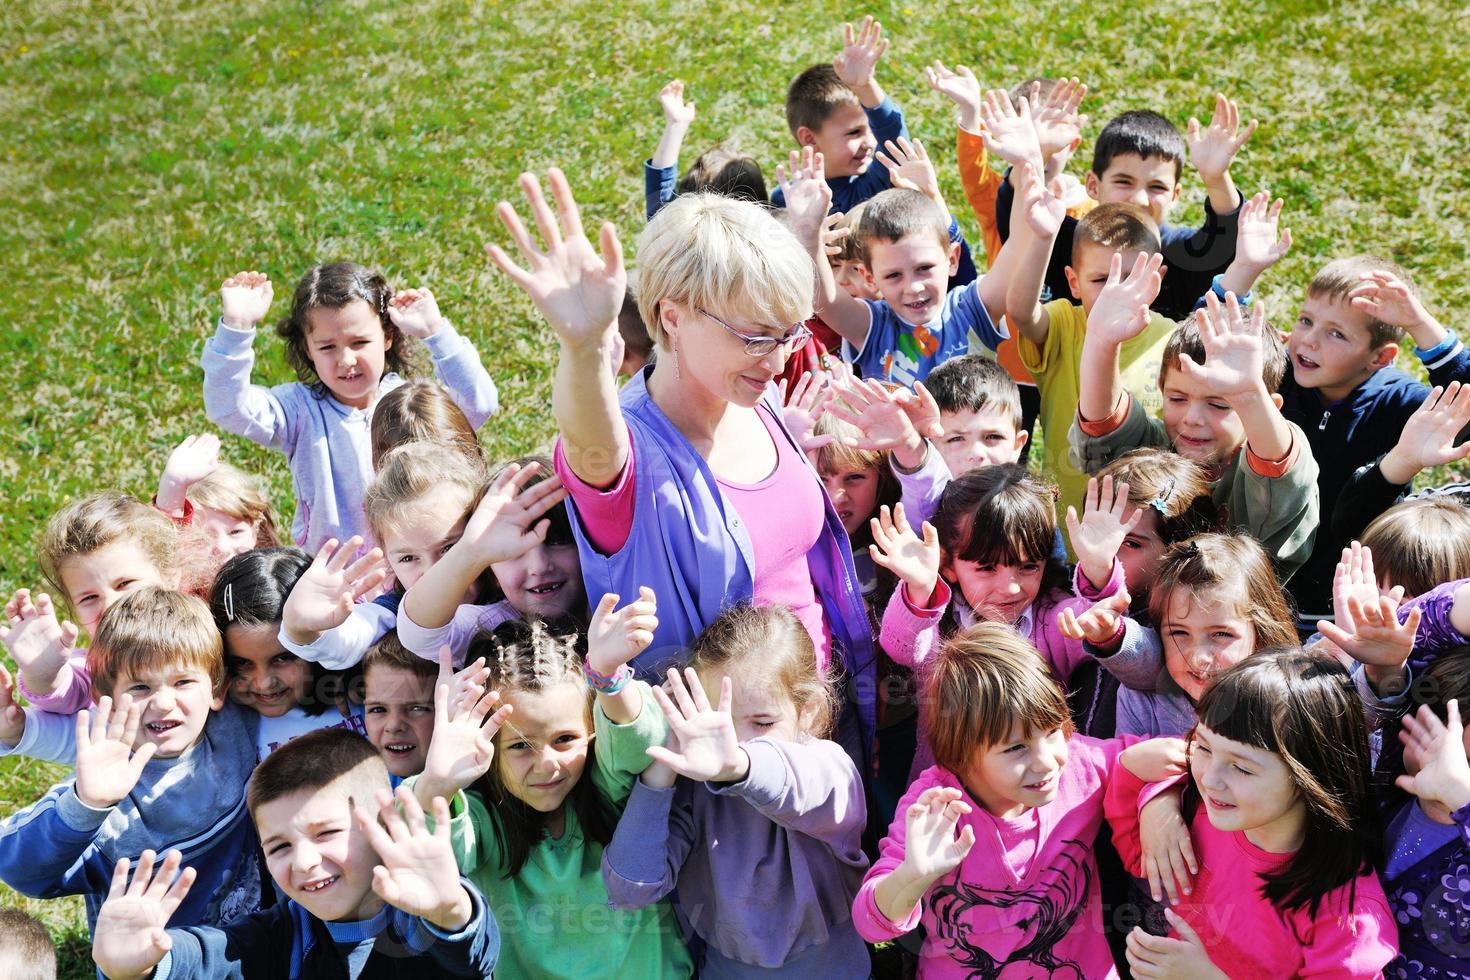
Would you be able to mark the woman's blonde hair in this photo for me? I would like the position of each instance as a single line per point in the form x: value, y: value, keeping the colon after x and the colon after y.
x: 1420, y: 544
x: 413, y: 470
x: 235, y: 493
x: 1211, y: 563
x: 96, y: 521
x: 986, y: 681
x: 729, y: 257
x: 769, y: 642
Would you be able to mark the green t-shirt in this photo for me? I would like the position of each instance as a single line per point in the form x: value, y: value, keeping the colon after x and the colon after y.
x: 554, y: 917
x: 1056, y: 366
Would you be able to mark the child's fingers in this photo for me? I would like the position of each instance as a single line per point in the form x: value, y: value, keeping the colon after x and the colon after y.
x: 384, y: 885
x: 162, y: 881
x: 143, y: 876
x: 672, y: 711
x: 605, y: 607
x: 696, y: 690
x: 119, y: 879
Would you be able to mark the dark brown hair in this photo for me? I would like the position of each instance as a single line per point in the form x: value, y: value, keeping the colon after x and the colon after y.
x: 814, y: 95
x: 1001, y: 515
x: 1186, y: 340
x: 985, y: 681
x: 973, y: 381
x: 313, y: 761
x: 331, y: 287
x: 1139, y: 133
x: 527, y: 657
x: 1303, y: 707
x: 724, y: 171
x: 1208, y: 564
x: 891, y: 215
x: 389, y: 651
x: 1117, y: 227
x: 769, y: 642
x: 420, y: 410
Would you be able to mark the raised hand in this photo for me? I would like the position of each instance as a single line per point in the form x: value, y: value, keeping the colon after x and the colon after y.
x: 1234, y: 349
x: 861, y: 50
x: 922, y: 410
x: 12, y: 716
x: 879, y: 415
x: 417, y: 873
x: 1212, y: 149
x: 833, y: 232
x: 416, y: 313
x: 1161, y: 958
x: 1009, y: 131
x: 702, y: 740
x: 107, y: 766
x: 578, y: 291
x: 909, y: 168
x: 39, y: 645
x: 931, y: 846
x: 466, y: 719
x: 322, y: 597
x: 961, y: 87
x: 510, y: 519
x: 677, y: 112
x: 807, y: 193
x: 191, y: 461
x: 802, y: 406
x: 614, y: 638
x: 1105, y: 522
x: 1439, y: 748
x: 130, y: 937
x: 245, y: 297
x: 897, y: 548
x: 1099, y: 624
x: 1043, y: 207
x: 1428, y: 437
x: 1384, y: 296
x: 1257, y: 242
x: 1367, y: 626
x: 1057, y: 122
x: 1169, y: 863
x: 1120, y: 311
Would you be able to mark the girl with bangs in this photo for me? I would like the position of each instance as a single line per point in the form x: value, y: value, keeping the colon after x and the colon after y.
x: 992, y: 850
x: 1281, y: 826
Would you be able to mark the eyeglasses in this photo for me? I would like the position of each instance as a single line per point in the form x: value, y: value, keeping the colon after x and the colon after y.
x: 760, y: 345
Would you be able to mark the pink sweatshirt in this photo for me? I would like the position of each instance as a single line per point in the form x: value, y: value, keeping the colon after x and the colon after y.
x: 1245, y: 935
x: 1025, y: 900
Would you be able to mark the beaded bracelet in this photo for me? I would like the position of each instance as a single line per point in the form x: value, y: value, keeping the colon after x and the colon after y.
x: 607, y: 684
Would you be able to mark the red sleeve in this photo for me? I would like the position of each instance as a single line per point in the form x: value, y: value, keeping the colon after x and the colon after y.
x: 607, y: 515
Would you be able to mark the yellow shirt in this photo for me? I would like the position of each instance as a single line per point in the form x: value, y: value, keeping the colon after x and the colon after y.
x: 1055, y: 365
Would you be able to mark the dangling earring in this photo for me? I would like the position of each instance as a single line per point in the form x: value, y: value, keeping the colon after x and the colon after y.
x: 677, y: 375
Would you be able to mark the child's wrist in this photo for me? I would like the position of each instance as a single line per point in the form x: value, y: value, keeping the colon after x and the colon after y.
x: 737, y: 770
x: 238, y: 323
x: 454, y: 917
x: 1399, y: 466
x: 1427, y: 334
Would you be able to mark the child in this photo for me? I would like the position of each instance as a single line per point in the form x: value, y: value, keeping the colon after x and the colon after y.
x: 761, y: 838
x: 1419, y: 544
x: 224, y: 510
x: 292, y: 696
x: 1344, y: 393
x: 347, y: 336
x: 361, y: 899
x: 165, y: 766
x: 1138, y: 159
x: 906, y: 248
x: 718, y: 169
x: 521, y: 534
x: 841, y: 113
x: 93, y: 552
x: 1215, y: 601
x: 1282, y: 822
x: 980, y: 410
x: 992, y: 850
x: 991, y: 558
x: 26, y: 950
x: 1219, y: 377
x: 398, y: 705
x: 551, y: 773
x: 421, y: 410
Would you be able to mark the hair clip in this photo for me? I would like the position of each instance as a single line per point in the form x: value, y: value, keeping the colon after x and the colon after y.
x: 1190, y: 549
x: 230, y: 602
x: 1162, y: 500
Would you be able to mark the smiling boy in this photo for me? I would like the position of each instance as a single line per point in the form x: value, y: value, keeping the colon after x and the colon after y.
x: 362, y: 899
x: 165, y: 767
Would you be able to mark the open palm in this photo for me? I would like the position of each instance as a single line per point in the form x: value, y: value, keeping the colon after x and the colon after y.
x: 702, y: 740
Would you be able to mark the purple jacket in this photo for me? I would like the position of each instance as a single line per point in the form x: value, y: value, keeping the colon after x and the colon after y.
x: 689, y: 545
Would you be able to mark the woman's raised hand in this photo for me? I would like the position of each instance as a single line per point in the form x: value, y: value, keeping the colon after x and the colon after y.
x: 578, y: 291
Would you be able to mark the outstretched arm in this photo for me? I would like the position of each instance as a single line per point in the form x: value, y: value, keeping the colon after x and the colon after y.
x: 579, y: 292
x: 808, y: 195
x: 1234, y: 358
x: 1026, y: 256
x: 1120, y: 313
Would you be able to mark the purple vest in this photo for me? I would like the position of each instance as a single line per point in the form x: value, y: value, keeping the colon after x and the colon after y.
x: 691, y: 547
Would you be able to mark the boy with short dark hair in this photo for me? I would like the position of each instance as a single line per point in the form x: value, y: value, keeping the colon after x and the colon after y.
x: 979, y: 411
x: 1139, y: 159
x: 361, y: 899
x: 26, y: 950
x: 1349, y: 399
x: 164, y: 767
x: 398, y: 705
x: 1219, y: 377
x: 841, y: 112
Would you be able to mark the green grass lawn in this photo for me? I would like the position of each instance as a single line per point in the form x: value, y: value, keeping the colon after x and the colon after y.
x: 153, y: 148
